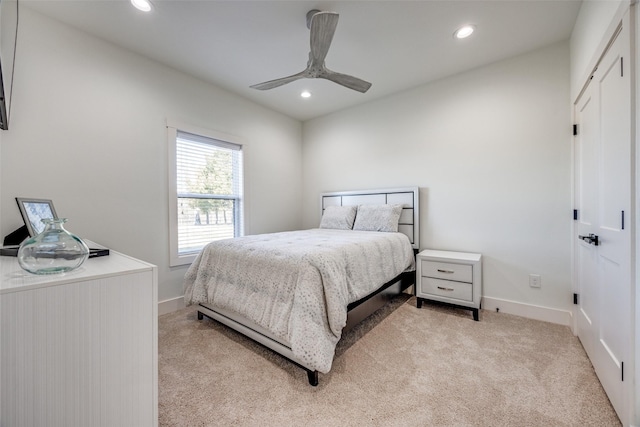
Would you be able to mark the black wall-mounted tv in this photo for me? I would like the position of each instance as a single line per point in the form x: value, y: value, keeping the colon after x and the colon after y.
x: 8, y: 37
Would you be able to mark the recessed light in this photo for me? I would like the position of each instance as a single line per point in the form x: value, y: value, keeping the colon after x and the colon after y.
x: 143, y: 5
x: 305, y: 94
x: 464, y: 32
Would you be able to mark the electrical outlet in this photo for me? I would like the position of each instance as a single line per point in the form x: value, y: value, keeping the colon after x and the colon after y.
x: 535, y: 281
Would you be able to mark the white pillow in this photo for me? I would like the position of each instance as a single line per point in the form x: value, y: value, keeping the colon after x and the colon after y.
x: 378, y: 218
x: 338, y: 217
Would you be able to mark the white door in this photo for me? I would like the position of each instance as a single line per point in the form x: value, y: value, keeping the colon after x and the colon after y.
x: 602, y: 232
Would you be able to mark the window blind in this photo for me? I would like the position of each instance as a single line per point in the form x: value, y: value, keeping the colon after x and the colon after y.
x: 209, y: 189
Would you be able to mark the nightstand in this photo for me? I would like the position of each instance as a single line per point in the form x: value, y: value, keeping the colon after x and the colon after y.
x: 451, y: 277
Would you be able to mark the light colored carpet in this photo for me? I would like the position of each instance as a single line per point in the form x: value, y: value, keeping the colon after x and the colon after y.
x: 403, y: 366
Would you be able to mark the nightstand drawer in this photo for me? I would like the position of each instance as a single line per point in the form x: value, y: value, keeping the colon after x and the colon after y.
x: 447, y: 271
x: 446, y: 288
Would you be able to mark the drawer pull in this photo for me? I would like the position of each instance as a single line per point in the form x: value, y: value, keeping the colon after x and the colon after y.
x: 446, y: 271
x: 445, y: 289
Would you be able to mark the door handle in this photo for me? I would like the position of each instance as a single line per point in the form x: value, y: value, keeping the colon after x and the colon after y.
x: 591, y: 239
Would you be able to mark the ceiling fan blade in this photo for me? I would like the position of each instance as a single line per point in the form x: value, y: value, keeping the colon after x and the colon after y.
x: 323, y: 26
x: 346, y: 80
x: 279, y: 82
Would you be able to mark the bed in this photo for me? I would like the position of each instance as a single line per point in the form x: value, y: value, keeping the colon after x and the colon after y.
x: 297, y: 292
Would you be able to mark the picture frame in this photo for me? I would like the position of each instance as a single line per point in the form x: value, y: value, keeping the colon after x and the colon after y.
x: 33, y: 211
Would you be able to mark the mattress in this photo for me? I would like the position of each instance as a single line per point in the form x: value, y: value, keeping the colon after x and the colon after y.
x: 297, y: 285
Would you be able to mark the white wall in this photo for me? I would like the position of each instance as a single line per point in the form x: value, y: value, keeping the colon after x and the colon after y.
x: 88, y: 131
x: 490, y: 150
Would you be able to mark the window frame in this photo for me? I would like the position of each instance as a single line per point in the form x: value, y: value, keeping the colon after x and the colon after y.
x: 173, y: 127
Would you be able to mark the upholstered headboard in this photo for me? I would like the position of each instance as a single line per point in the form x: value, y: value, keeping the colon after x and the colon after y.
x: 408, y: 197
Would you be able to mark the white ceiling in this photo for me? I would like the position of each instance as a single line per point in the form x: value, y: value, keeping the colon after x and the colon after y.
x: 396, y: 45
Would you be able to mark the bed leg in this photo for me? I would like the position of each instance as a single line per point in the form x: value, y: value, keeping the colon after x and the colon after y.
x: 200, y: 316
x: 313, y: 377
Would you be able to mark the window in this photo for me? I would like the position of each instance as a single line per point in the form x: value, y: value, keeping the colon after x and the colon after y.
x: 206, y: 186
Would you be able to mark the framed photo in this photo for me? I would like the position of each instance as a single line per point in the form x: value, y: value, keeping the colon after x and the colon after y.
x: 33, y: 211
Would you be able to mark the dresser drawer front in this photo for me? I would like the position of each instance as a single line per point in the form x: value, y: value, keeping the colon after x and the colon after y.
x: 446, y: 288
x: 447, y: 271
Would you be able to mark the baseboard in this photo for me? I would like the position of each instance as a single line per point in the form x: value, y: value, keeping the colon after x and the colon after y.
x: 170, y: 305
x: 546, y: 314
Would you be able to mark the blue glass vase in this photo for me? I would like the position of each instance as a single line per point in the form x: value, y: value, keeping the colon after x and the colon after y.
x: 55, y: 250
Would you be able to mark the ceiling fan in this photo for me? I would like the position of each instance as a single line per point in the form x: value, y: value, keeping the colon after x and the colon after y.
x: 322, y: 26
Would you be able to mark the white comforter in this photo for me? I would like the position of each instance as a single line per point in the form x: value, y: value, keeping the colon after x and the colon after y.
x: 297, y: 284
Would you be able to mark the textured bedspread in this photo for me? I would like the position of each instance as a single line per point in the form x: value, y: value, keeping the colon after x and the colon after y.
x: 298, y: 284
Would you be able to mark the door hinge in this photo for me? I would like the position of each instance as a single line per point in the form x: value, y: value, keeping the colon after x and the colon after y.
x: 575, y: 130
x: 622, y: 369
x: 575, y: 299
x: 575, y: 214
x: 621, y: 67
x: 622, y: 219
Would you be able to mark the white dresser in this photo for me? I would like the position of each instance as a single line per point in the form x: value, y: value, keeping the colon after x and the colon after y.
x: 450, y: 277
x: 79, y: 348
